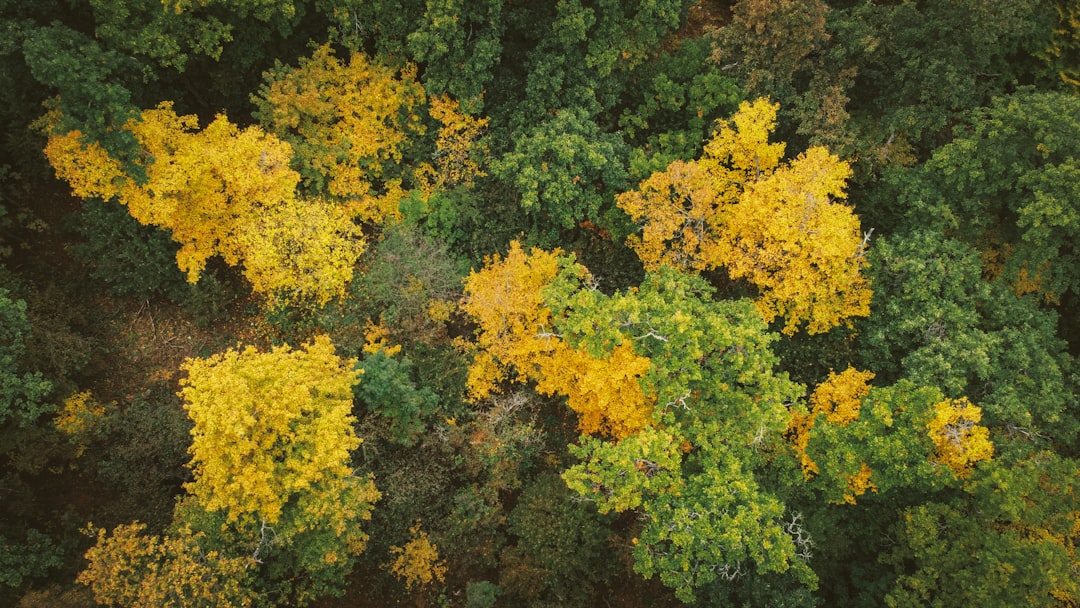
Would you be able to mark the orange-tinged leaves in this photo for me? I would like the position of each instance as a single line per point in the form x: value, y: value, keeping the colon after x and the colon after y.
x: 516, y: 334
x: 605, y: 393
x: 858, y: 484
x: 840, y: 395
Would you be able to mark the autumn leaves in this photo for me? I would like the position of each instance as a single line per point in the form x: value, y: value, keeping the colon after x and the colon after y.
x: 281, y: 200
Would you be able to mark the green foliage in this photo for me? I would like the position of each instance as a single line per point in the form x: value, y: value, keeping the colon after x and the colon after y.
x: 30, y: 558
x: 565, y: 168
x: 562, y: 552
x: 937, y: 60
x: 481, y: 594
x: 672, y: 104
x: 93, y: 82
x: 459, y: 43
x: 141, y: 453
x: 23, y: 394
x: 1019, y: 519
x: 936, y: 322
x: 1008, y: 184
x: 135, y: 260
x: 389, y: 390
x: 720, y: 409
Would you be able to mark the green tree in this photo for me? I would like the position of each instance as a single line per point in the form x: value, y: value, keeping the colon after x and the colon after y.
x: 937, y: 322
x: 565, y: 167
x: 23, y: 394
x: 1007, y: 183
x: 1007, y: 540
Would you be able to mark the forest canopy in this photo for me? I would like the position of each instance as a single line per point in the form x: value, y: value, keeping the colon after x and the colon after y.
x: 586, y: 303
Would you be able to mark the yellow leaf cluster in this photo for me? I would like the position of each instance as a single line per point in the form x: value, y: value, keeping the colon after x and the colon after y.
x: 377, y: 339
x: 776, y: 224
x: 350, y: 122
x: 131, y: 570
x: 516, y: 334
x: 858, y: 484
x: 88, y: 169
x: 839, y: 398
x: 604, y: 392
x: 271, y: 428
x: 840, y: 395
x: 959, y: 440
x: 80, y: 416
x: 457, y: 148
x: 418, y: 561
x: 222, y: 191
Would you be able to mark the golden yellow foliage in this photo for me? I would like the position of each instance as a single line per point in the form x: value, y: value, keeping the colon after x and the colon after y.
x: 88, y: 169
x: 775, y: 224
x: 505, y: 301
x: 418, y: 561
x: 858, y: 484
x: 131, y: 570
x: 959, y: 440
x: 457, y: 148
x: 377, y: 339
x: 839, y: 398
x: 515, y: 333
x: 840, y: 395
x: 604, y: 392
x: 299, y: 250
x: 349, y: 123
x: 272, y: 429
x: 222, y: 191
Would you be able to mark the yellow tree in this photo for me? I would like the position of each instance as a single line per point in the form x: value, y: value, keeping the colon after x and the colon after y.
x: 776, y: 224
x: 129, y: 569
x: 271, y: 452
x: 350, y: 123
x: 516, y: 341
x: 221, y: 191
x: 417, y: 562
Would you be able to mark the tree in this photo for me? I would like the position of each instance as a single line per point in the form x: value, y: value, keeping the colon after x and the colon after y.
x: 1007, y: 183
x: 417, y: 561
x: 271, y: 453
x: 937, y: 322
x: 564, y: 166
x: 1009, y: 539
x: 23, y: 394
x: 129, y: 569
x: 516, y: 334
x: 887, y: 439
x: 349, y: 123
x: 774, y: 224
x: 704, y: 407
x: 221, y: 191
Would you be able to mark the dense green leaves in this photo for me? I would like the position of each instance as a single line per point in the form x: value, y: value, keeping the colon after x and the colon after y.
x: 22, y: 393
